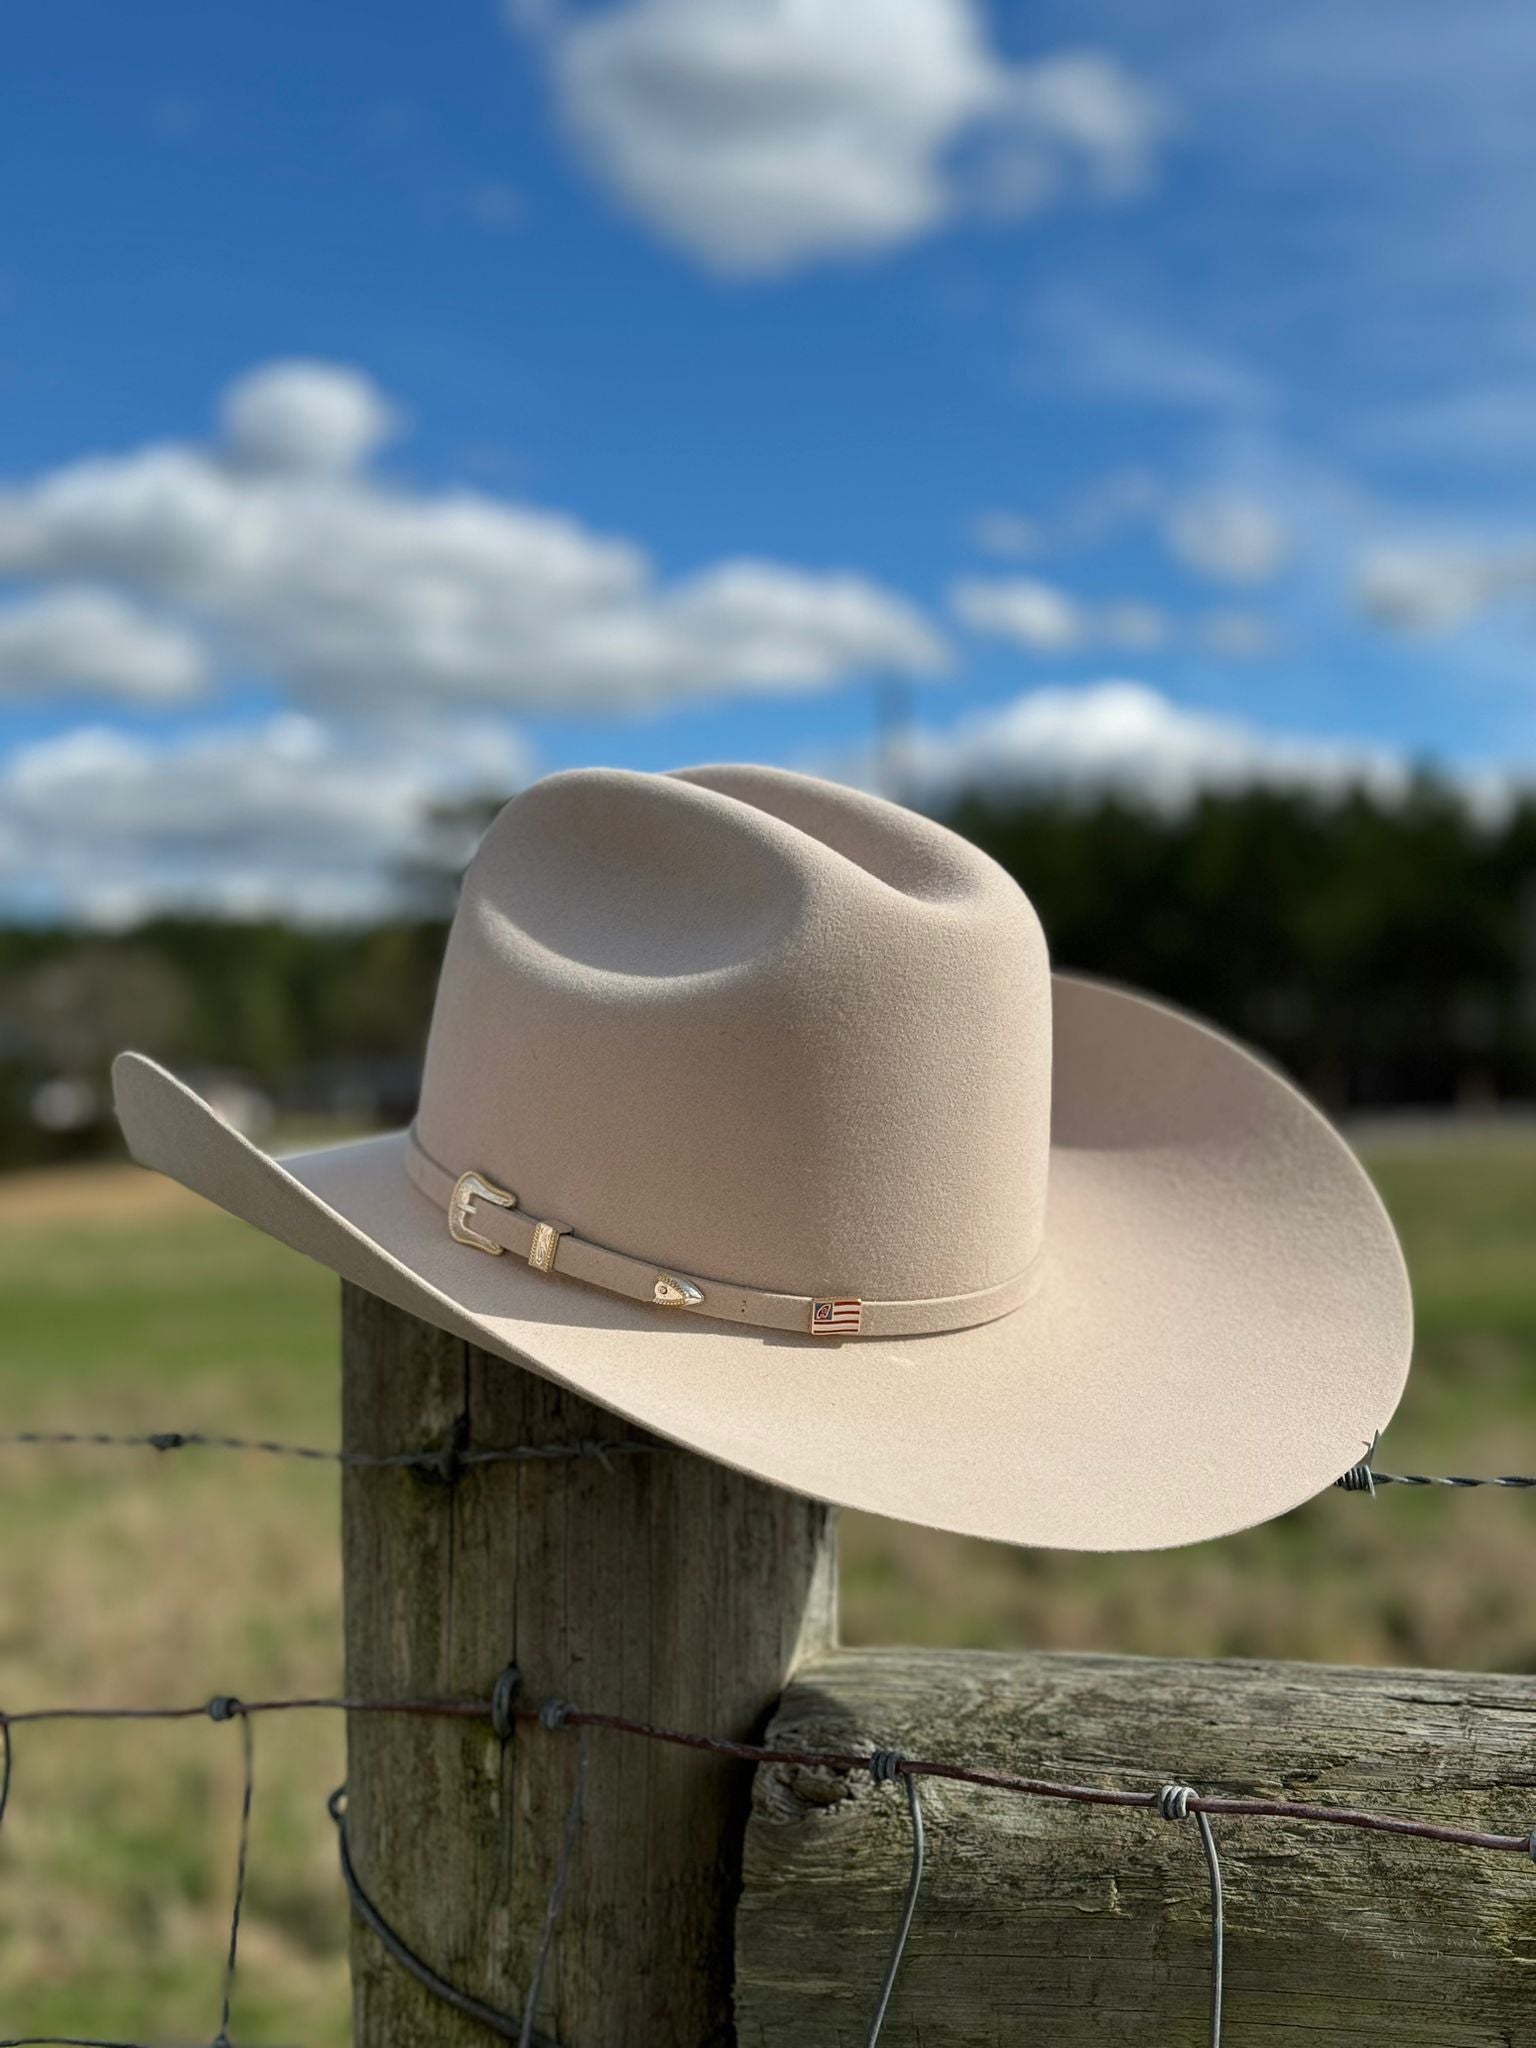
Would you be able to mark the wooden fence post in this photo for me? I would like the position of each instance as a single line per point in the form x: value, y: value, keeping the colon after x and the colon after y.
x: 660, y: 1586
x: 1081, y: 1926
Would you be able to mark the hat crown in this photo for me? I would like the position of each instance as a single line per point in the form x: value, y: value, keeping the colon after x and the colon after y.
x: 753, y: 1026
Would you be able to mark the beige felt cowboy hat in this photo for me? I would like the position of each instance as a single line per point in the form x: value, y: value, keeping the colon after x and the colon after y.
x: 753, y: 1110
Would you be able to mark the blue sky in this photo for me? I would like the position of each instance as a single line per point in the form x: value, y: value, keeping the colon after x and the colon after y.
x: 401, y: 402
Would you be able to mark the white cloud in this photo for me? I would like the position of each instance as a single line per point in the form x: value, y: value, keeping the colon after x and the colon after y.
x: 291, y: 816
x: 1224, y: 531
x: 1030, y: 613
x: 1125, y: 737
x: 81, y: 638
x: 353, y: 593
x: 306, y: 416
x: 1122, y: 498
x: 1082, y: 105
x: 1228, y: 536
x: 1429, y: 589
x: 784, y: 628
x: 1041, y: 618
x: 763, y: 134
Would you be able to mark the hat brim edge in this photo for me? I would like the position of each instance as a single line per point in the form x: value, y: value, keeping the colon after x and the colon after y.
x: 955, y: 1431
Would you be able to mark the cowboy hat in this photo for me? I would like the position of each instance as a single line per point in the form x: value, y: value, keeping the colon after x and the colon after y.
x: 753, y: 1111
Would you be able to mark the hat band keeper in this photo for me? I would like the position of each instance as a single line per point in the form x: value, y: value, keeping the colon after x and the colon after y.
x: 487, y: 1219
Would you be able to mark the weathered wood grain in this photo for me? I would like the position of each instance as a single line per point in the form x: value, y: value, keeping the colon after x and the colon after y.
x: 662, y: 1587
x: 1043, y: 1922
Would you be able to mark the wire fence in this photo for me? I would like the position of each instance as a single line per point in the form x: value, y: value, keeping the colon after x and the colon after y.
x: 450, y: 1459
x: 505, y: 1711
x: 443, y: 1461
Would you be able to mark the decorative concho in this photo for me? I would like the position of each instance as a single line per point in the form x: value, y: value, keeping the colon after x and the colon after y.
x: 676, y: 1293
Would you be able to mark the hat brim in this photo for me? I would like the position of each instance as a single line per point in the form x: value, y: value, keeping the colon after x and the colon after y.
x: 1223, y: 1324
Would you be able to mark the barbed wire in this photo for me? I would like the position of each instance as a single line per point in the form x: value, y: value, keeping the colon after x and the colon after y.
x: 449, y: 1459
x: 476, y: 1708
x: 445, y: 1460
x: 501, y: 1708
x: 1365, y: 1478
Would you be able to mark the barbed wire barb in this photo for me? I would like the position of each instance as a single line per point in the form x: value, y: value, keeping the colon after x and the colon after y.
x: 1365, y: 1476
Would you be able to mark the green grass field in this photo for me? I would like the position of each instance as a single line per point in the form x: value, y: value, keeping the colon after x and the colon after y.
x: 132, y: 1577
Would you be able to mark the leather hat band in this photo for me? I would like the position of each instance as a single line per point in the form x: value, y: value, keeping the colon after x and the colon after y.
x: 487, y: 1217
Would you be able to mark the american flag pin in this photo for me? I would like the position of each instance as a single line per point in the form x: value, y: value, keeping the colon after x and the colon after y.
x: 836, y: 1318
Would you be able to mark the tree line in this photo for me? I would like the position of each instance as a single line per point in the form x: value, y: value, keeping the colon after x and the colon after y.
x: 1382, y: 951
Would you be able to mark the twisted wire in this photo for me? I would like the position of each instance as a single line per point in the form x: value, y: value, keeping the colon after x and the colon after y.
x: 1177, y: 1802
x: 1365, y: 1479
